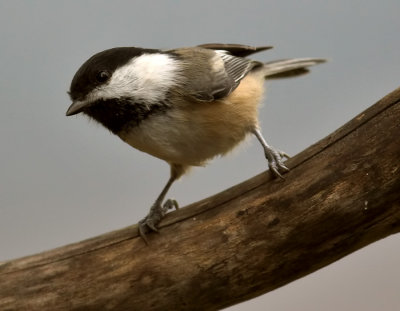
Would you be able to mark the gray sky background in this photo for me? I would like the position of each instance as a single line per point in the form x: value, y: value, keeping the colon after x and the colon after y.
x: 66, y: 179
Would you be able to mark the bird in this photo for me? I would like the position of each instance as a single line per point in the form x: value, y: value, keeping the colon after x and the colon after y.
x: 184, y: 106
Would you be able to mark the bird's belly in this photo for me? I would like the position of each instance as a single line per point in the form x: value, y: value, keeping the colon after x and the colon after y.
x: 182, y: 141
x: 192, y: 134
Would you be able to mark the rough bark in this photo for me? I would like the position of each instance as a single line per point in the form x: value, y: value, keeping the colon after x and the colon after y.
x: 341, y: 194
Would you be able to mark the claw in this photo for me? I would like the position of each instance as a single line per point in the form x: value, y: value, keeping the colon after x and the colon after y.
x: 273, y: 155
x: 157, y: 212
x: 170, y: 204
x: 151, y: 225
x: 275, y: 162
x: 142, y: 232
x: 283, y: 154
x: 275, y: 167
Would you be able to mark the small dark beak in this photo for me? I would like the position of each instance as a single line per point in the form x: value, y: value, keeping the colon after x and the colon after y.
x: 76, y: 107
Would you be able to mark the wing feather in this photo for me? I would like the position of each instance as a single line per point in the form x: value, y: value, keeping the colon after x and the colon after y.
x: 214, y: 74
x: 286, y: 68
x: 238, y: 50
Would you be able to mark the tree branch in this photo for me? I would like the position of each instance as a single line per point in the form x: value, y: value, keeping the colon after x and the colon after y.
x: 341, y: 194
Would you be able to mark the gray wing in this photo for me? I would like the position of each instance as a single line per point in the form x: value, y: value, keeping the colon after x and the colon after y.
x: 238, y: 50
x: 213, y: 74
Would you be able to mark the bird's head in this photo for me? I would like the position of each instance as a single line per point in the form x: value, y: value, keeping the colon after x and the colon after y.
x: 110, y: 74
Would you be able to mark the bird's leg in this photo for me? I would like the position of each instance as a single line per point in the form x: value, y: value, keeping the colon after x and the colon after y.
x: 157, y: 211
x: 274, y: 156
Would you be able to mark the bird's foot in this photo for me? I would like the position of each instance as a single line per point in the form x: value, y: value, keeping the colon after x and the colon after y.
x: 275, y: 161
x: 157, y: 212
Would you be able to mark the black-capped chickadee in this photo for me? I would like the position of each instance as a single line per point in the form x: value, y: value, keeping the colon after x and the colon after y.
x: 184, y: 106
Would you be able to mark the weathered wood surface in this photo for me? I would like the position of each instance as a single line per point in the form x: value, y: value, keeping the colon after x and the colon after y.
x: 341, y: 194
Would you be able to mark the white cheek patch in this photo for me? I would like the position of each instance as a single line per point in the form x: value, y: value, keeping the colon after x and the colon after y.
x: 147, y: 77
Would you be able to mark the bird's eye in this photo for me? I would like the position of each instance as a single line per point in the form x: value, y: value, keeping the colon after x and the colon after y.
x: 102, y: 76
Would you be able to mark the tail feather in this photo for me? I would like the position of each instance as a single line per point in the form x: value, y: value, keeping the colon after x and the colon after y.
x: 287, y: 68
